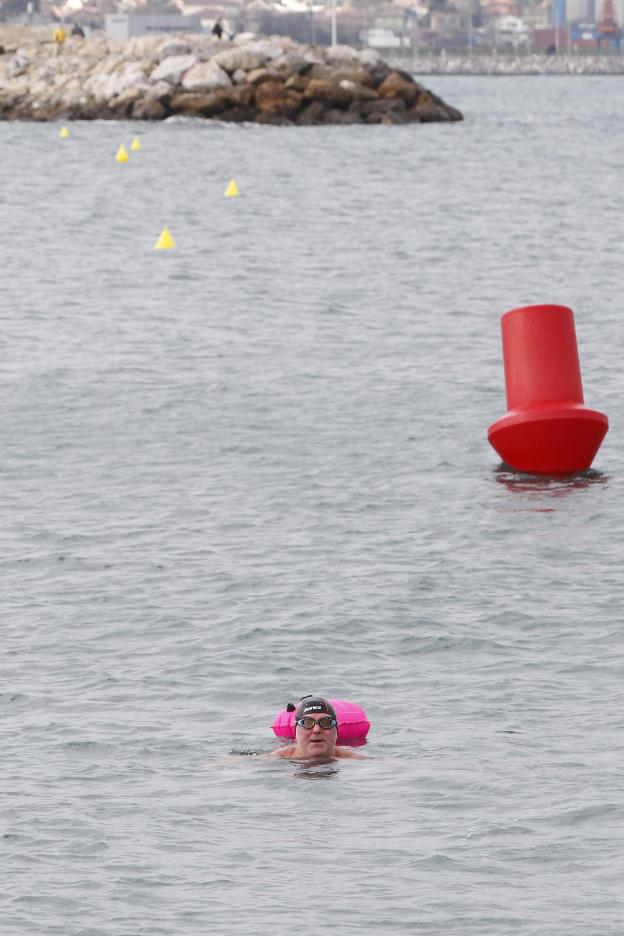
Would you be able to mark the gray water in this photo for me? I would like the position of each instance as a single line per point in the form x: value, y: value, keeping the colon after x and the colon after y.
x: 256, y: 466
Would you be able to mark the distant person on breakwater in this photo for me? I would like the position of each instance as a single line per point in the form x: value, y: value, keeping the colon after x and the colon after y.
x: 217, y: 29
x: 315, y: 734
x: 59, y: 35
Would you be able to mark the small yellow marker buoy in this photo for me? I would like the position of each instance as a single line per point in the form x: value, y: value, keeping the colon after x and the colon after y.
x: 64, y: 133
x: 165, y: 241
x: 122, y: 154
x: 135, y: 145
x: 232, y: 189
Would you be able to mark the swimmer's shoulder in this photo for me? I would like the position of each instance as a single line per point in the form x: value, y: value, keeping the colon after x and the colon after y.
x: 348, y: 752
x: 288, y: 752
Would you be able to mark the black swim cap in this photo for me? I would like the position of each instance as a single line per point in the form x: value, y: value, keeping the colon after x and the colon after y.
x: 315, y: 705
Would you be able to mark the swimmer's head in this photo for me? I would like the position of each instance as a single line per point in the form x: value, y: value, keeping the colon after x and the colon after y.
x: 316, y: 728
x: 315, y: 705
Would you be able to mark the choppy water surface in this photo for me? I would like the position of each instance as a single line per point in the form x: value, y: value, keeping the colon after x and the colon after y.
x: 256, y: 466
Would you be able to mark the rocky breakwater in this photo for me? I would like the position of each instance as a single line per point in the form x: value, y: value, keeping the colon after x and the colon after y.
x: 269, y: 80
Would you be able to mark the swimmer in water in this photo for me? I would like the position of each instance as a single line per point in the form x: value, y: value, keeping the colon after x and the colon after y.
x: 315, y: 734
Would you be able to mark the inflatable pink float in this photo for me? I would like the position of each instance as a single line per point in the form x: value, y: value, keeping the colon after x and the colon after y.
x: 353, y: 725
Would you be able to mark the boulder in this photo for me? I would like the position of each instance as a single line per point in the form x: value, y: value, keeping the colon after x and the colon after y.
x: 122, y: 104
x: 243, y: 96
x: 172, y: 48
x: 356, y: 74
x: 238, y: 114
x: 106, y: 86
x: 143, y: 47
x: 258, y: 76
x: 396, y: 86
x: 200, y: 103
x: 245, y: 57
x: 429, y: 108
x: 297, y: 82
x: 329, y: 92
x: 321, y: 70
x: 205, y: 76
x: 359, y: 92
x: 311, y: 115
x: 291, y: 62
x: 384, y: 111
x: 341, y: 118
x: 272, y: 97
x: 378, y: 73
x: 148, y: 108
x: 172, y: 69
x: 161, y: 91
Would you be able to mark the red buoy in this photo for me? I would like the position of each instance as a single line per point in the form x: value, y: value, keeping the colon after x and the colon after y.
x: 547, y: 429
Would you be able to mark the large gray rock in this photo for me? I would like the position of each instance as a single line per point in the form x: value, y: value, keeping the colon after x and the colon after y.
x: 173, y: 47
x: 243, y: 57
x: 160, y: 91
x: 254, y: 54
x: 205, y: 76
x: 173, y: 68
x: 291, y: 62
x: 105, y: 86
x: 143, y: 47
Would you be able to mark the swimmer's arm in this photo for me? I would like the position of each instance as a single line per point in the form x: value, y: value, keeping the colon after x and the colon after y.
x: 260, y: 755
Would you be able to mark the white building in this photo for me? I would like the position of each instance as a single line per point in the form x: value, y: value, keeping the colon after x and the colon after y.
x: 122, y: 26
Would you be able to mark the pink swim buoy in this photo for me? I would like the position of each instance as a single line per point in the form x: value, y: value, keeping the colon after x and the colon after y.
x: 547, y: 428
x: 353, y: 725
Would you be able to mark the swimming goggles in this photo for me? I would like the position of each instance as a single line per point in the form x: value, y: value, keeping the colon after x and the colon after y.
x: 326, y: 722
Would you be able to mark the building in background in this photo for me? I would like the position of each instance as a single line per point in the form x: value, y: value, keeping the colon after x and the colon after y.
x: 397, y: 27
x: 123, y: 26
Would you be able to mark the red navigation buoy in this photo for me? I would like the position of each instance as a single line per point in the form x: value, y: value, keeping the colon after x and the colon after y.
x: 547, y: 429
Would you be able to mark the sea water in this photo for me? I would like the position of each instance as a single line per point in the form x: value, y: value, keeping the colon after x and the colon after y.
x: 255, y: 467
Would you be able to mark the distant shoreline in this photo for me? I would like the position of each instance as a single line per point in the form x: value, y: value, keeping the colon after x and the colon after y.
x: 529, y: 65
